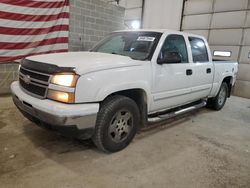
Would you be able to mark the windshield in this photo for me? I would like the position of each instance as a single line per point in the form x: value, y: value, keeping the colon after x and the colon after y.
x: 137, y: 45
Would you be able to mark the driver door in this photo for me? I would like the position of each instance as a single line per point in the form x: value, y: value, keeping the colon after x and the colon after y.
x: 172, y: 80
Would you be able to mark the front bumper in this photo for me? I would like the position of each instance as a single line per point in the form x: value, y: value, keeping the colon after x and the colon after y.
x: 77, y: 120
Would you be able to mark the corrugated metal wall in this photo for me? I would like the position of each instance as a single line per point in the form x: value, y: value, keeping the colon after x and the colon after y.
x: 157, y: 14
x: 162, y: 14
x: 133, y: 11
x: 226, y: 25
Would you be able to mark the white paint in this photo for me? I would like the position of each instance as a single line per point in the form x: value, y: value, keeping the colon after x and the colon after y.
x: 166, y: 86
x: 53, y: 107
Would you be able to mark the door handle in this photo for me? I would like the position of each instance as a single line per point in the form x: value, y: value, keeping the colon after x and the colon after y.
x: 209, y: 70
x: 189, y: 72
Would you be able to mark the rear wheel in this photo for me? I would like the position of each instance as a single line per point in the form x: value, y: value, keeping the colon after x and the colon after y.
x: 117, y: 123
x: 218, y: 102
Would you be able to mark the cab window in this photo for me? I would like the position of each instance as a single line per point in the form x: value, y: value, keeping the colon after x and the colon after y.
x: 175, y: 44
x: 199, y: 50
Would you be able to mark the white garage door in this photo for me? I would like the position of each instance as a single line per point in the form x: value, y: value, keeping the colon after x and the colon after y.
x: 226, y: 25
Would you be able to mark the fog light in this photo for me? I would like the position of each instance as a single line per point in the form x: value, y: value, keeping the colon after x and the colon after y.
x: 61, y: 96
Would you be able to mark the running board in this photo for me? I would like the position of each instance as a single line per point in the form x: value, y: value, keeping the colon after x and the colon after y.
x: 172, y: 114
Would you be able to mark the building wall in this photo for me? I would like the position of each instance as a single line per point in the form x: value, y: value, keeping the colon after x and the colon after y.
x: 157, y: 14
x: 90, y: 21
x: 133, y: 10
x: 8, y: 73
x: 162, y: 14
x: 226, y: 25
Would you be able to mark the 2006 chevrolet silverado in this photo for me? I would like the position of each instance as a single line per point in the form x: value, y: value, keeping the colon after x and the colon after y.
x: 127, y: 81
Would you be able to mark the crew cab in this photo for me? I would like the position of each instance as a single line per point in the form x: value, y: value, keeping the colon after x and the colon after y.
x: 127, y: 81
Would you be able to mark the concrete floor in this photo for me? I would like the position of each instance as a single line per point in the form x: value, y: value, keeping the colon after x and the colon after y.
x: 203, y: 149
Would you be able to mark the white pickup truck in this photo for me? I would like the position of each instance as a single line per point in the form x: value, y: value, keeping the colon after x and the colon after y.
x: 127, y: 81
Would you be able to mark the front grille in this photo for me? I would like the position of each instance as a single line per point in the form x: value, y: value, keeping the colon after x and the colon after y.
x: 33, y: 88
x: 32, y: 74
x: 33, y: 82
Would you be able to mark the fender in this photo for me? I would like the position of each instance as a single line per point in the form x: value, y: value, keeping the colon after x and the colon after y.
x: 216, y: 86
x: 106, y: 91
x: 96, y: 86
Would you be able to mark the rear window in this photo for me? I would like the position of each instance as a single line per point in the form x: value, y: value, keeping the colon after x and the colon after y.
x: 199, y: 50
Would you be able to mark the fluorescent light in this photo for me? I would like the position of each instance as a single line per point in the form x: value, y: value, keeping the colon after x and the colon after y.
x: 222, y: 53
x: 136, y: 24
x: 249, y: 55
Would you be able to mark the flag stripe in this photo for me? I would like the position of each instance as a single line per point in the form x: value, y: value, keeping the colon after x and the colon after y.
x: 33, y: 18
x: 19, y: 31
x: 12, y: 58
x: 18, y: 52
x: 32, y: 11
x: 36, y: 4
x: 30, y: 38
x: 34, y: 25
x: 25, y: 45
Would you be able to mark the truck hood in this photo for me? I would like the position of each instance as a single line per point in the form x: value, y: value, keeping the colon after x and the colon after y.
x: 85, y: 62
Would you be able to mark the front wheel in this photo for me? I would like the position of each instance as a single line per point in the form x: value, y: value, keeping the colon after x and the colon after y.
x: 117, y: 123
x: 218, y: 102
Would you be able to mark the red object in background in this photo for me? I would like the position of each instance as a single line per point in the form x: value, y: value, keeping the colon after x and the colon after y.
x: 30, y: 27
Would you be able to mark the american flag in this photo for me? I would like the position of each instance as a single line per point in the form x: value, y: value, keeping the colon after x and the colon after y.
x: 31, y: 27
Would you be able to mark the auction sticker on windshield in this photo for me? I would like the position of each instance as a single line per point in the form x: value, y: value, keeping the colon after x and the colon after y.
x: 142, y: 38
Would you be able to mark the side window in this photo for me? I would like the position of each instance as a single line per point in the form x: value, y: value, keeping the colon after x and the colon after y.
x: 176, y: 44
x: 199, y: 50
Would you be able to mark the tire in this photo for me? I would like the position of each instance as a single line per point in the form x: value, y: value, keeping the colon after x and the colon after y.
x: 218, y: 102
x: 117, y: 123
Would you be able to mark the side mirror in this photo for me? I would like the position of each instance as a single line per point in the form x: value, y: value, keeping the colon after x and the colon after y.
x: 170, y: 57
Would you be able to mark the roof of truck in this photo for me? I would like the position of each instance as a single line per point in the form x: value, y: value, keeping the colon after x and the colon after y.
x: 149, y: 30
x: 161, y: 31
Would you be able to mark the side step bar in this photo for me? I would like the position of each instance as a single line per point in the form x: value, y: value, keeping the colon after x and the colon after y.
x: 172, y: 114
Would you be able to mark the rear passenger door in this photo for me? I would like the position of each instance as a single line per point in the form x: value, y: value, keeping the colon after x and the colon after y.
x: 202, y: 68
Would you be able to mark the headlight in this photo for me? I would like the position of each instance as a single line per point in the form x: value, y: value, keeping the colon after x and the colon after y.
x: 66, y: 79
x: 61, y: 96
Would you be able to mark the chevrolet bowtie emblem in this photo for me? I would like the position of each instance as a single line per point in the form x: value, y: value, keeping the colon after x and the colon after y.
x: 26, y: 79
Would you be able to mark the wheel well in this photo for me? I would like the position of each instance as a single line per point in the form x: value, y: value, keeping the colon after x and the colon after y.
x: 228, y: 81
x: 140, y: 98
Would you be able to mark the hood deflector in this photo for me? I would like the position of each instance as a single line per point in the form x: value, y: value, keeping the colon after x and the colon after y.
x: 45, y: 67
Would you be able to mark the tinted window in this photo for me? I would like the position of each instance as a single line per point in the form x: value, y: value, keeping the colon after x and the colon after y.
x: 199, y: 50
x: 175, y: 43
